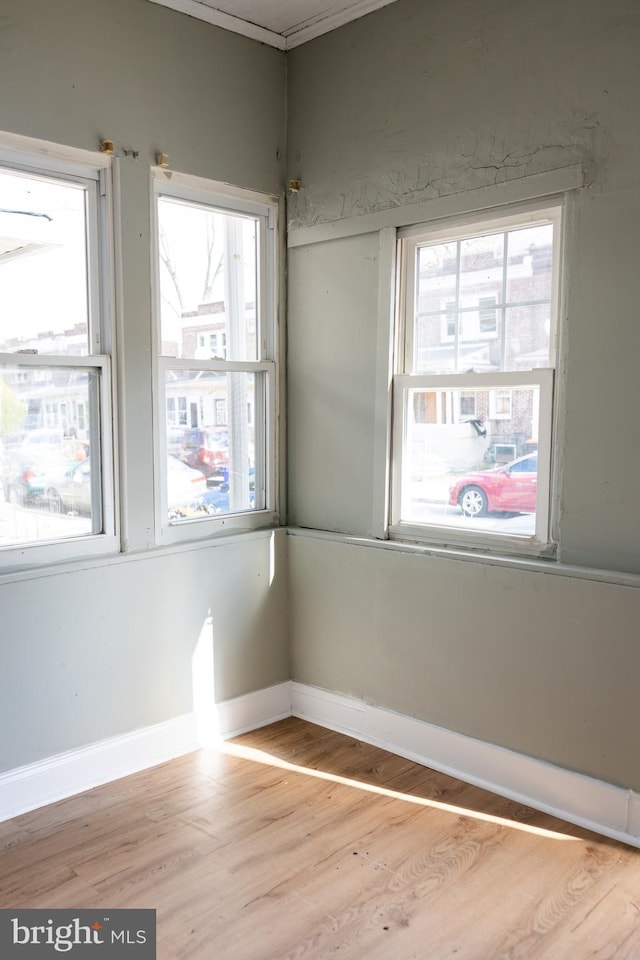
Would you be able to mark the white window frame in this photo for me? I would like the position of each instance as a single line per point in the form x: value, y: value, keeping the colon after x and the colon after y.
x: 94, y: 172
x: 408, y: 240
x: 231, y: 200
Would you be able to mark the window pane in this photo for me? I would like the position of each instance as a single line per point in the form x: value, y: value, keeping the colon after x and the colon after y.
x: 437, y: 265
x: 436, y: 315
x: 212, y: 460
x: 528, y: 317
x: 530, y: 259
x: 454, y: 470
x: 435, y: 343
x: 481, y: 269
x: 459, y: 323
x: 48, y: 421
x: 208, y: 282
x: 44, y: 304
x: 476, y: 347
x: 527, y: 339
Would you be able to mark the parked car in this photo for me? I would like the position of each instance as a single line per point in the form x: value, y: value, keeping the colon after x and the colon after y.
x: 216, y: 500
x: 70, y: 492
x: 205, y: 450
x: 511, y: 488
x: 175, y: 438
x: 30, y: 464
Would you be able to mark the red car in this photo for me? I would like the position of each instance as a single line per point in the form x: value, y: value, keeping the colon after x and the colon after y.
x: 512, y: 487
x: 206, y: 451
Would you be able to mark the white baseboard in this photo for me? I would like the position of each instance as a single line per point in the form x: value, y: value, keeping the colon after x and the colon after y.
x: 598, y: 806
x: 254, y: 710
x: 74, y: 771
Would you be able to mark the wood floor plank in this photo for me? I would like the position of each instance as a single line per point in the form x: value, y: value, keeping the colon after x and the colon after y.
x: 297, y: 843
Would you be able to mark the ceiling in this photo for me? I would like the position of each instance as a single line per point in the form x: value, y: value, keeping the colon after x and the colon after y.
x: 280, y: 23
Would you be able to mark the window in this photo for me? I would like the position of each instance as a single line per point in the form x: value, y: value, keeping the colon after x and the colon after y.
x: 503, y: 452
x: 56, y: 467
x: 216, y: 309
x: 500, y: 405
x: 468, y: 403
x: 487, y: 314
x: 451, y: 319
x: 474, y: 379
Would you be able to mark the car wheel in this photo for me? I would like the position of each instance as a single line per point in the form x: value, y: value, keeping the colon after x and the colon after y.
x: 473, y: 502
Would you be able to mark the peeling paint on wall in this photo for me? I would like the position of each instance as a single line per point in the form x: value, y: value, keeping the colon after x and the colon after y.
x: 465, y: 167
x: 421, y: 104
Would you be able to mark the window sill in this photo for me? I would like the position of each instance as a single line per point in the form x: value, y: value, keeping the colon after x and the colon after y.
x: 481, y: 544
x: 549, y: 566
x: 198, y: 530
x: 33, y: 571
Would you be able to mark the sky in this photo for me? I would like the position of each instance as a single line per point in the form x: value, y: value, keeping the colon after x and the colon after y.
x: 45, y: 290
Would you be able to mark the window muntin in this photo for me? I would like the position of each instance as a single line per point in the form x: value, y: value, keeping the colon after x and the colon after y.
x: 216, y: 371
x: 474, y: 379
x: 55, y: 384
x: 491, y: 293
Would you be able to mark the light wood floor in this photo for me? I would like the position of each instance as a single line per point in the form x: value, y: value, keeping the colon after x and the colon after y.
x: 296, y: 842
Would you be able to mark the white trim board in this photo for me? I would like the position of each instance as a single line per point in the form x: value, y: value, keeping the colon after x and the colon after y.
x: 438, y: 551
x: 254, y: 710
x: 515, y: 190
x: 598, y: 806
x: 61, y: 776
x: 66, y: 774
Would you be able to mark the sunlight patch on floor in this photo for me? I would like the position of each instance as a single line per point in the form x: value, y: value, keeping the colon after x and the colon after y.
x: 261, y: 756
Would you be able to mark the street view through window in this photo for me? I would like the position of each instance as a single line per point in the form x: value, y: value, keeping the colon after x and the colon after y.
x: 50, y: 451
x: 214, y: 392
x: 473, y: 402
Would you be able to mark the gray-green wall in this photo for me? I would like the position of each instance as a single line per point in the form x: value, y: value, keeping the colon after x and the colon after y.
x: 411, y: 103
x: 88, y: 654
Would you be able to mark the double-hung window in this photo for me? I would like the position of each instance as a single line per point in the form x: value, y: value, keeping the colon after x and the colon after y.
x: 216, y: 365
x: 56, y: 464
x: 474, y: 382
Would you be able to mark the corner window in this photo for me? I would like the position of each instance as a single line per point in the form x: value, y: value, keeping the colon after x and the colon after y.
x: 216, y: 373
x: 477, y: 306
x: 55, y: 388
